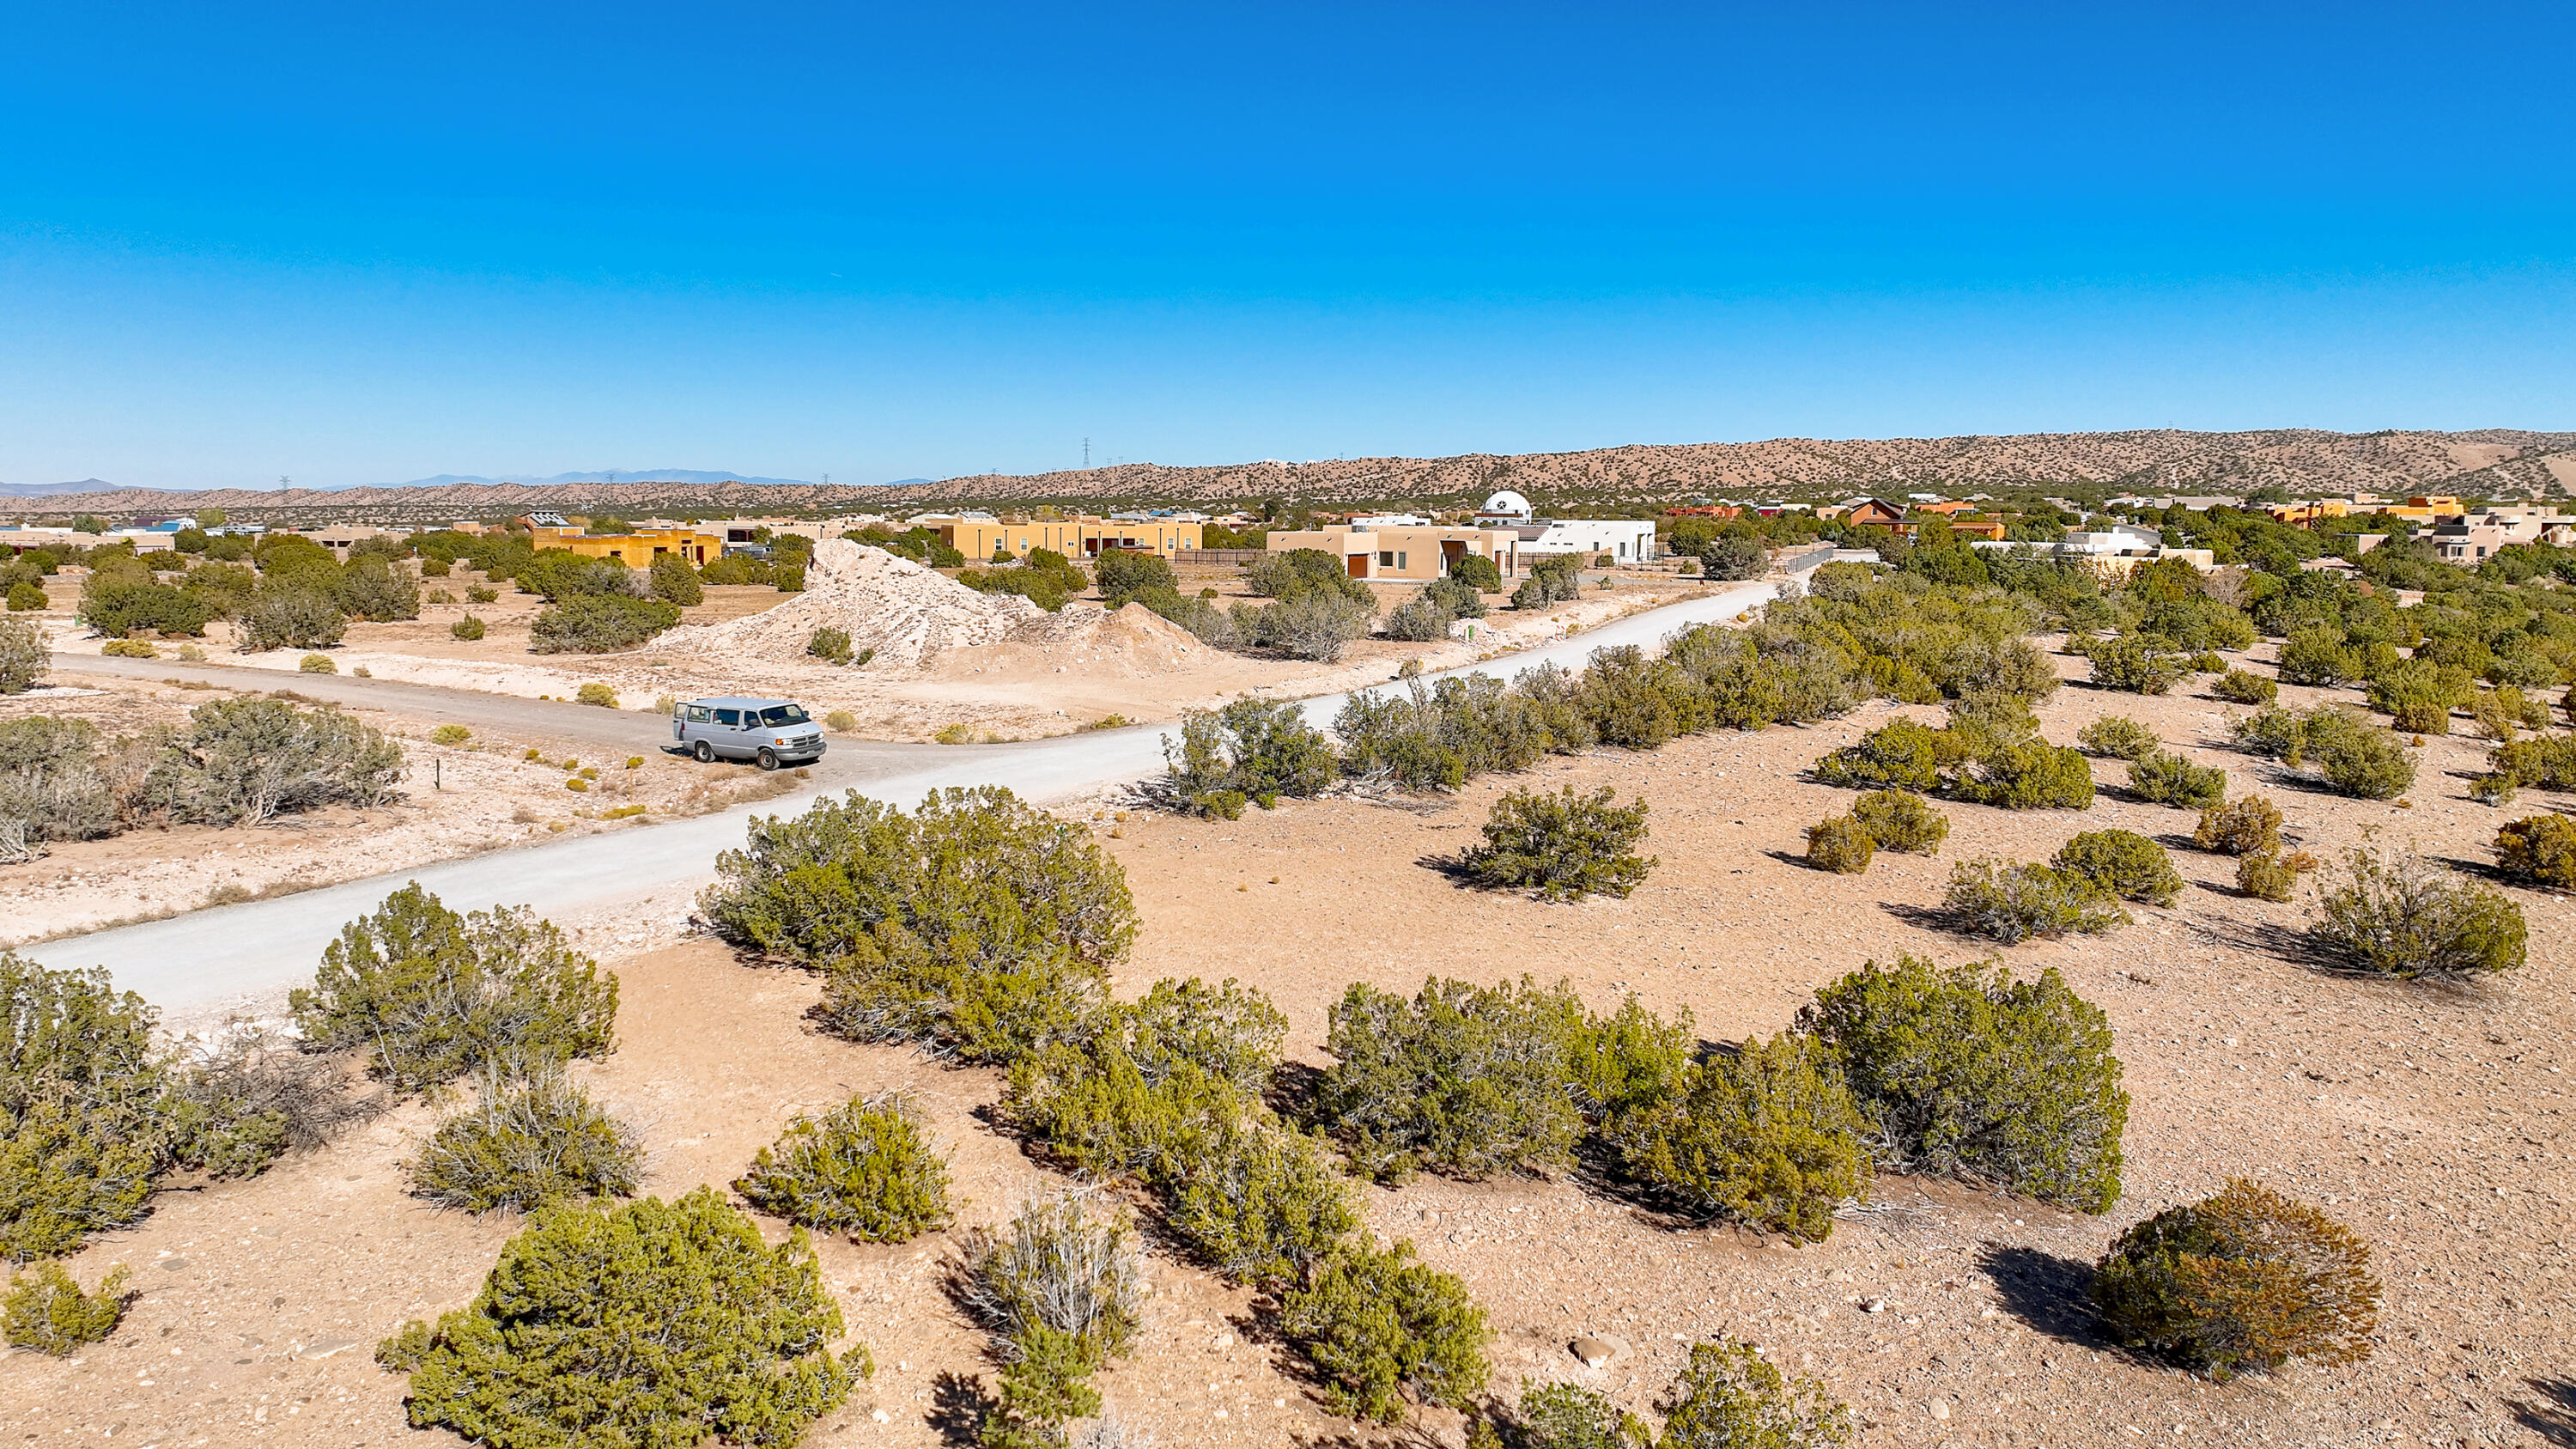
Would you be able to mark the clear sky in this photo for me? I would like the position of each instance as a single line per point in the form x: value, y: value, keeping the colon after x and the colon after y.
x: 359, y: 244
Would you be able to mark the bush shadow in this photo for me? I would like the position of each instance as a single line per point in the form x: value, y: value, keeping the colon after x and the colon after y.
x: 958, y: 1408
x: 1791, y: 857
x: 1939, y: 919
x: 1452, y: 867
x: 2049, y: 1294
x: 2553, y: 1415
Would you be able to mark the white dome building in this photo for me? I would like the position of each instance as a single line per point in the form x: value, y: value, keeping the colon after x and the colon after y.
x: 1505, y: 507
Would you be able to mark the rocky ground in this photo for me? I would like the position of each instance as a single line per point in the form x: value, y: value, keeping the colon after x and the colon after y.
x: 2432, y: 1119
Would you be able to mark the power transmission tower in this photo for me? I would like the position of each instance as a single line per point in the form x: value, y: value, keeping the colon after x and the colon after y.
x: 1086, y: 452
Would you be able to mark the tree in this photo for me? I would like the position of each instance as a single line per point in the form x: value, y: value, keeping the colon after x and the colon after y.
x: 652, y: 1324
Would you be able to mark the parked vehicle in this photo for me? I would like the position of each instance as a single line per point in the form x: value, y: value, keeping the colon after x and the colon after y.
x: 774, y: 732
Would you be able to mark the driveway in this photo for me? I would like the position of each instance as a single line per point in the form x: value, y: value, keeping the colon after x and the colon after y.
x: 256, y: 950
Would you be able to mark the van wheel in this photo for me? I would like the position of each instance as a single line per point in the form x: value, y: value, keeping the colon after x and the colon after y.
x: 768, y: 758
x: 705, y: 752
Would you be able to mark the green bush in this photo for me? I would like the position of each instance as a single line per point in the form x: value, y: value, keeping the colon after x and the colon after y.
x: 2034, y: 775
x: 427, y: 994
x: 2121, y: 863
x: 1463, y: 1080
x: 1727, y: 1397
x: 2407, y: 917
x: 2118, y: 737
x: 27, y: 596
x: 117, y: 608
x: 22, y: 655
x: 2246, y: 825
x: 480, y: 594
x: 1317, y: 625
x: 2319, y: 655
x: 976, y: 925
x: 1768, y: 1136
x: 2241, y: 1282
x: 372, y: 588
x: 46, y: 1310
x: 289, y: 617
x: 1966, y: 1073
x: 1564, y: 845
x: 2164, y: 778
x: 649, y: 1323
x: 2537, y: 764
x: 865, y: 1169
x: 831, y: 644
x: 1230, y: 1032
x: 316, y: 664
x: 2540, y: 849
x: 468, y: 627
x: 2420, y: 695
x: 2012, y: 903
x: 1420, y: 619
x: 1478, y: 572
x: 525, y: 1144
x: 1123, y: 574
x: 2357, y: 759
x: 1563, y: 1416
x: 2239, y: 686
x: 1063, y: 1295
x: 1900, y: 755
x: 1840, y: 844
x: 2136, y: 664
x: 674, y: 582
x: 599, y: 624
x: 57, y: 784
x: 1258, y: 749
x: 1377, y: 1326
x: 1897, y: 820
x: 597, y: 694
x: 2264, y: 875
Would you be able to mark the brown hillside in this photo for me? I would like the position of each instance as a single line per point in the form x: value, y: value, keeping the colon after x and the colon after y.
x: 2487, y: 463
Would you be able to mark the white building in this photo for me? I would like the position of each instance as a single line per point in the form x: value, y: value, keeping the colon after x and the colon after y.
x: 1624, y: 540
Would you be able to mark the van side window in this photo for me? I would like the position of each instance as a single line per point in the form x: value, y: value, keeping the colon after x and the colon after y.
x: 728, y: 717
x: 698, y: 714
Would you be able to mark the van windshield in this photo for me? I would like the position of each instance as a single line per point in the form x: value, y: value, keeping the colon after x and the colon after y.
x: 783, y: 714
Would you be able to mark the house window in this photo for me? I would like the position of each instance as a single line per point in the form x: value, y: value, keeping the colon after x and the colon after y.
x: 1386, y: 559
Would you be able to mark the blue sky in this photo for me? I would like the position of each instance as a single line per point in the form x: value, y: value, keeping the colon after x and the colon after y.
x: 351, y: 245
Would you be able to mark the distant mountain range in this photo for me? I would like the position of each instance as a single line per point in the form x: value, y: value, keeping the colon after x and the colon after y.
x: 48, y: 490
x: 617, y: 475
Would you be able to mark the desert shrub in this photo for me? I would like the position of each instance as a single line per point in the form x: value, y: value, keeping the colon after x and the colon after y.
x: 316, y: 664
x: 1768, y: 1136
x: 1479, y: 573
x: 1122, y: 574
x: 2541, y: 849
x: 427, y: 994
x: 116, y: 608
x: 1062, y: 1296
x: 2121, y: 863
x: 2012, y: 903
x: 525, y: 1144
x: 2136, y: 664
x: 2537, y: 764
x: 481, y: 594
x: 1901, y: 755
x: 1457, y: 596
x: 866, y: 1169
x: 2319, y: 655
x: 1841, y: 844
x: 54, y: 782
x: 2419, y: 695
x: 27, y: 596
x: 1420, y: 619
x: 21, y: 655
x: 1463, y: 1080
x: 1897, y: 820
x: 2241, y: 1282
x: 289, y: 618
x: 1397, y: 737
x: 558, y: 574
x: 2246, y: 825
x: 2165, y: 778
x: 1230, y: 1032
x: 2239, y: 686
x: 2356, y: 757
x: 450, y: 734
x: 1379, y: 1325
x: 674, y: 582
x: 1531, y: 594
x: 829, y: 643
x: 1299, y: 572
x: 1562, y: 1416
x: 976, y: 924
x: 1259, y: 749
x: 2266, y: 875
x: 1564, y: 845
x: 1967, y: 1073
x: 1315, y: 625
x: 2407, y: 917
x: 2031, y: 775
x: 596, y: 694
x: 46, y: 1310
x: 1638, y: 703
x: 1261, y: 1204
x: 649, y: 1323
x: 244, y: 761
x: 1727, y: 1397
x: 1734, y: 557
x: 240, y: 1099
x: 2118, y: 737
x: 129, y: 649
x: 372, y: 588
x: 599, y: 624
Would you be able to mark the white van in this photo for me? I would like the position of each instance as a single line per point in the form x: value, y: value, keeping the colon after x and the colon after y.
x: 774, y: 732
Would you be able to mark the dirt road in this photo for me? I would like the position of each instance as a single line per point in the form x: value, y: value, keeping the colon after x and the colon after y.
x: 249, y: 954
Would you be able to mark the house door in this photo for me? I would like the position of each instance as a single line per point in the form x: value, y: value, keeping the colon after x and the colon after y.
x: 1451, y: 550
x: 1358, y: 564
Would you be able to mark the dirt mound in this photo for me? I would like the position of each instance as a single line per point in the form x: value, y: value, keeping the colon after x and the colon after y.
x: 1131, y: 642
x: 901, y: 610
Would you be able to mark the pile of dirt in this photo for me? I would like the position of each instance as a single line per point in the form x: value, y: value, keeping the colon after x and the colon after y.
x: 904, y: 612
x: 1132, y: 642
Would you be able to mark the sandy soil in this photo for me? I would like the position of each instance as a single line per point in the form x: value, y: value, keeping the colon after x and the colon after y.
x: 484, y: 794
x: 1004, y: 691
x: 2430, y: 1118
